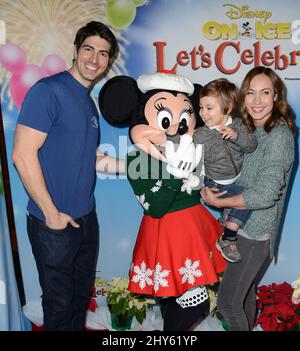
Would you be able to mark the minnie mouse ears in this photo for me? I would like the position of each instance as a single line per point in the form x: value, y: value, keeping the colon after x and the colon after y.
x: 118, y: 99
x: 165, y: 81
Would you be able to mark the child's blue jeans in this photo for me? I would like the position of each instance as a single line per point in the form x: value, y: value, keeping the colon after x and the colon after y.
x: 233, y: 215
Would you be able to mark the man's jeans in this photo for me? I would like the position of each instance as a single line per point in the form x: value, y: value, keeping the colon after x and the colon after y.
x: 233, y: 215
x: 66, y: 261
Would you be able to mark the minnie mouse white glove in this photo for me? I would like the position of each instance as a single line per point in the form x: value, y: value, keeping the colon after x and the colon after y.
x: 175, y: 158
x: 181, y: 158
x: 183, y: 161
x: 176, y: 172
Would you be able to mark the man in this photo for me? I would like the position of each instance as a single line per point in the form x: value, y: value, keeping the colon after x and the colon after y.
x: 55, y: 145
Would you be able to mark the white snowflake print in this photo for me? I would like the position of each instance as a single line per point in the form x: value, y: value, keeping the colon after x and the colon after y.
x: 159, y: 277
x: 141, y: 199
x: 188, y: 184
x: 190, y: 271
x: 142, y: 275
x: 157, y: 187
x: 187, y: 188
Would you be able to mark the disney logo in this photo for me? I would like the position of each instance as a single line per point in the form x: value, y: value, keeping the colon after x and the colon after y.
x: 236, y: 12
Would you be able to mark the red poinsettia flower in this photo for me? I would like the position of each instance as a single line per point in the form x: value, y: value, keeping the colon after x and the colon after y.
x: 268, y: 323
x: 92, y: 305
x: 277, y: 312
x: 285, y: 311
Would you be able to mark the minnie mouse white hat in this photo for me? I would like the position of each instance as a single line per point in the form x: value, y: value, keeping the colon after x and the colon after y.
x: 165, y: 81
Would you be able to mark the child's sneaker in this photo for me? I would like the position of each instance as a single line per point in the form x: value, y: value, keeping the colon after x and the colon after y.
x: 229, y: 250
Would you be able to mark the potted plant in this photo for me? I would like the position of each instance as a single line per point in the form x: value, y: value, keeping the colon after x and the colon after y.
x: 277, y: 310
x: 124, y: 305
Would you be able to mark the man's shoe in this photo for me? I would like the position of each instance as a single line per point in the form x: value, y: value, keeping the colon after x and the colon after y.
x: 228, y: 250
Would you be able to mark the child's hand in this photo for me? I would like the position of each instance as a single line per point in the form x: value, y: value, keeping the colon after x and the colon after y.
x: 228, y: 133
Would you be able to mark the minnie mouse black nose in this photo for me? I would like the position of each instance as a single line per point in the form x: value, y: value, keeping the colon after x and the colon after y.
x: 183, y: 127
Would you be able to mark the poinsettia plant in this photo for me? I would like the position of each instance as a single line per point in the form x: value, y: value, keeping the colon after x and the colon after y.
x: 93, y: 303
x: 123, y: 302
x: 277, y: 312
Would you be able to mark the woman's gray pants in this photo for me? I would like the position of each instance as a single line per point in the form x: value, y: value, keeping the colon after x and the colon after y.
x: 237, y: 292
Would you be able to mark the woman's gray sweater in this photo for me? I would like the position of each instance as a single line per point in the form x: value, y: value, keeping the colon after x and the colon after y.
x: 265, y: 176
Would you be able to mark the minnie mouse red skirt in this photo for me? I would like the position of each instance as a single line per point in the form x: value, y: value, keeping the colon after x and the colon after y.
x: 175, y: 253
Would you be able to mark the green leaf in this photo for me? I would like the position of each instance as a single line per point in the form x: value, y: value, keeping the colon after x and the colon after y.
x: 140, y: 316
x: 123, y: 305
x: 219, y: 316
x: 115, y: 309
x: 131, y: 312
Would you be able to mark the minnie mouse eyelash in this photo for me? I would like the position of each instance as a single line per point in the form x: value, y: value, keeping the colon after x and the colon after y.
x: 159, y: 107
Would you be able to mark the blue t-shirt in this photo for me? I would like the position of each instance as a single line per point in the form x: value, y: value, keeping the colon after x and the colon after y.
x: 62, y: 107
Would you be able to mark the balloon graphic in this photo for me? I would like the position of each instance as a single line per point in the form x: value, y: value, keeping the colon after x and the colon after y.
x: 120, y: 13
x: 53, y: 64
x: 20, y: 83
x: 12, y: 58
x: 139, y: 2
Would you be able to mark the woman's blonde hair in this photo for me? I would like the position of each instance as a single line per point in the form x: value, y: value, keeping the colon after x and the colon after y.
x: 281, y: 108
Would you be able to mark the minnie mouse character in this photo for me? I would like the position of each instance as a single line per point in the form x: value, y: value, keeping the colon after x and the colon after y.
x: 174, y: 255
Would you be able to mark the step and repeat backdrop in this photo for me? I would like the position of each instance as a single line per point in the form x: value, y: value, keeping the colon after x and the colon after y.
x: 200, y: 39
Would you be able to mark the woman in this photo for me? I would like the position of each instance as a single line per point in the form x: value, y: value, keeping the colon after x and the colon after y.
x: 265, y: 177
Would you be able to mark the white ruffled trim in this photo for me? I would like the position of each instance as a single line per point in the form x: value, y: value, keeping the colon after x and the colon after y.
x: 193, y: 297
